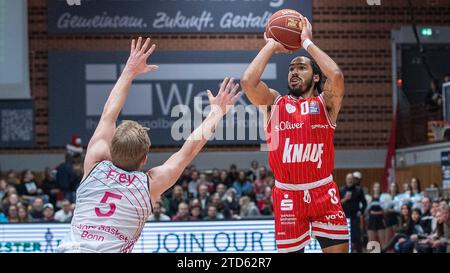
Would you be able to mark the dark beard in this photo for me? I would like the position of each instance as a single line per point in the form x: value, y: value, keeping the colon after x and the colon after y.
x: 298, y: 92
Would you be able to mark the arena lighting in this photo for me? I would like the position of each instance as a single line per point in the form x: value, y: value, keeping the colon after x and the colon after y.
x: 427, y: 32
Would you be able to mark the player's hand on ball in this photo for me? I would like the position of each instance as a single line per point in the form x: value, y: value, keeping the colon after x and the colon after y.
x: 137, y: 62
x: 306, y: 29
x: 225, y: 99
x: 277, y: 47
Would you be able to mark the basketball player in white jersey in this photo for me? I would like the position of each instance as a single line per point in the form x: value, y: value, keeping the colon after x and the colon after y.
x: 115, y: 198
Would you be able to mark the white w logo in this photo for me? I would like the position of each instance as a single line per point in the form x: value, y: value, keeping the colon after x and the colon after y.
x: 73, y: 2
x: 374, y: 2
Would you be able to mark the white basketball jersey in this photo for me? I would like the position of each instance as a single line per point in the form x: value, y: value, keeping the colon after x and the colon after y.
x: 112, y: 207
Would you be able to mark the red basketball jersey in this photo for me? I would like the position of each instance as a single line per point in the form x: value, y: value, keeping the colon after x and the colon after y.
x: 300, y: 140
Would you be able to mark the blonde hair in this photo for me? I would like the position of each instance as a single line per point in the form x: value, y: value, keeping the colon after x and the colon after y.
x: 129, y: 145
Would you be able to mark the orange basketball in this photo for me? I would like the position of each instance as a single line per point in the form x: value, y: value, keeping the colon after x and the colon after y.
x: 285, y: 27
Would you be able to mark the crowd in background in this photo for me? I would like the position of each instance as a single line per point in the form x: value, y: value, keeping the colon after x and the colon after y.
x: 402, y: 220
x: 408, y: 219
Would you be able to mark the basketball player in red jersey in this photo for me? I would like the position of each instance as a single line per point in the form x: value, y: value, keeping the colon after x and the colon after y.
x: 300, y: 129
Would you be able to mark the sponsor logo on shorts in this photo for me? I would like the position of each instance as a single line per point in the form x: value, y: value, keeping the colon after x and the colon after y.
x: 339, y: 215
x: 287, y: 204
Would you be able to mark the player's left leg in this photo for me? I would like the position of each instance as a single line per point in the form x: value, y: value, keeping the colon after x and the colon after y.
x: 328, y: 222
x: 333, y: 245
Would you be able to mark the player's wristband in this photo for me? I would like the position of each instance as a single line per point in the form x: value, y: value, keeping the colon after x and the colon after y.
x: 307, y: 43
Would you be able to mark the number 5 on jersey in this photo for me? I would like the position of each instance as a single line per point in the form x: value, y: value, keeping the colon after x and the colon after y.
x: 112, y: 206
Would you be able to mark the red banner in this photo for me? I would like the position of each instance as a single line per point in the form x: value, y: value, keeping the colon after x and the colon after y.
x: 389, y: 165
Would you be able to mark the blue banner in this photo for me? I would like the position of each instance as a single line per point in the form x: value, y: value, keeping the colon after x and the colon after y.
x: 164, y: 16
x: 171, y: 101
x: 255, y: 236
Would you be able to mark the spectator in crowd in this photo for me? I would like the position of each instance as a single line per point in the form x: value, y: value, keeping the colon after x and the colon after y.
x: 183, y: 212
x: 158, y: 215
x: 185, y: 186
x: 232, y: 202
x: 260, y: 183
x: 68, y: 176
x: 215, y: 176
x: 177, y: 198
x: 13, y: 214
x: 3, y: 218
x: 265, y: 204
x: 203, y: 196
x: 196, y: 213
x: 242, y: 185
x: 404, y: 197
x: 12, y: 178
x: 64, y: 215
x: 391, y: 215
x: 49, y: 213
x: 22, y: 214
x: 50, y: 187
x: 426, y: 217
x: 253, y: 172
x: 224, y: 178
x: 354, y: 204
x: 406, y: 245
x: 10, y: 200
x: 28, y: 188
x: 193, y: 184
x: 248, y: 208
x: 416, y: 194
x: 222, y: 210
x: 358, y: 181
x: 447, y: 77
x: 434, y: 96
x: 404, y: 231
x: 376, y: 225
x: 185, y: 176
x: 10, y: 189
x: 233, y: 173
x: 221, y: 189
x: 3, y: 185
x: 37, y: 210
x: 194, y: 202
x: 212, y: 213
x: 202, y: 180
x: 439, y: 239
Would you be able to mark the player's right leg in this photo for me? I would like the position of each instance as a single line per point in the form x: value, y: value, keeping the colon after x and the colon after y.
x: 291, y: 225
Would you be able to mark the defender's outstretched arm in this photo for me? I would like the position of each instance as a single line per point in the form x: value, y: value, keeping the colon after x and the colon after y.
x: 98, y: 147
x: 163, y: 177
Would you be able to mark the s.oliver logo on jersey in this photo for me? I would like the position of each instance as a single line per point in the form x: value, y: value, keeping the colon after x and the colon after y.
x: 297, y: 153
x: 286, y: 204
x: 286, y: 125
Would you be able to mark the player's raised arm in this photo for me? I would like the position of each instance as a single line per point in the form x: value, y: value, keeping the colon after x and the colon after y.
x: 163, y: 177
x: 333, y: 91
x: 254, y: 88
x: 98, y: 148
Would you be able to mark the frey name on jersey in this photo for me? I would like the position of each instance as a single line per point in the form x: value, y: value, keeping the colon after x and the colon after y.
x: 304, y: 152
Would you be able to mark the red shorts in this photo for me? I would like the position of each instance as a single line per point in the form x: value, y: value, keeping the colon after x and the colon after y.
x: 297, y: 212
